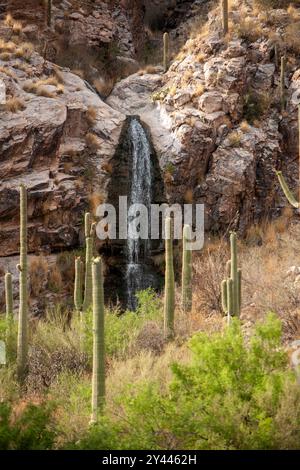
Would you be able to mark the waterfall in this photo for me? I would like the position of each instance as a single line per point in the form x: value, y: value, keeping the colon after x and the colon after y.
x: 138, y: 276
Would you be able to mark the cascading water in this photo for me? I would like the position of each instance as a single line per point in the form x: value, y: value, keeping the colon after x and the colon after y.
x: 138, y: 275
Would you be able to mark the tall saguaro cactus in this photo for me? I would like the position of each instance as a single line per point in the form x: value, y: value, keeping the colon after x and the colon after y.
x: 225, y: 16
x: 282, y: 83
x: 23, y: 308
x: 49, y: 12
x: 169, y: 300
x: 98, y: 378
x: 231, y: 287
x: 166, y: 52
x: 187, y: 291
x: 88, y: 228
x: 287, y: 192
x: 78, y: 284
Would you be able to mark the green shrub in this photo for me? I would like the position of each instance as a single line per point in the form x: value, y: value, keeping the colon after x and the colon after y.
x: 233, y: 395
x: 122, y: 329
x: 28, y: 431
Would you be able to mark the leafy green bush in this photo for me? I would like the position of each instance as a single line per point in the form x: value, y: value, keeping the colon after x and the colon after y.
x: 121, y: 329
x: 233, y: 395
x: 28, y: 431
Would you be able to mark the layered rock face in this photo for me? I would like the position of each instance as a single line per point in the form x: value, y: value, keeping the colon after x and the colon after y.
x: 93, y: 24
x: 59, y: 144
x: 216, y: 122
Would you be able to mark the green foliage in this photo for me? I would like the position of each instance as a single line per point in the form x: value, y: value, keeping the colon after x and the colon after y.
x: 121, y: 329
x: 255, y: 106
x: 232, y: 395
x: 28, y: 431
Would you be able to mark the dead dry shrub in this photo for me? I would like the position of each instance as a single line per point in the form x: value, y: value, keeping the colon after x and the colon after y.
x: 45, y: 367
x: 38, y: 274
x: 150, y: 338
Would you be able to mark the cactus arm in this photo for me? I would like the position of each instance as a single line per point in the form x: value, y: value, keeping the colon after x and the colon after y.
x: 23, y: 307
x: 234, y: 273
x: 288, y: 194
x: 166, y: 51
x: 87, y: 225
x: 78, y: 284
x: 88, y: 274
x: 187, y: 292
x: 98, y: 377
x: 225, y: 16
x: 224, y: 295
x: 230, y: 302
x: 282, y: 83
x: 239, y: 288
x: 169, y: 298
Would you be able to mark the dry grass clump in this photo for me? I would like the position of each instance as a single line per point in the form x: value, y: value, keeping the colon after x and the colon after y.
x: 244, y: 126
x: 17, y: 27
x: 292, y: 37
x: 9, y: 21
x: 30, y: 87
x: 199, y: 90
x: 95, y: 199
x: 60, y: 89
x: 91, y: 115
x: 234, y: 139
x: 249, y: 29
x: 7, y: 46
x: 8, y: 72
x: 5, y: 56
x: 14, y: 104
x: 24, y: 51
x: 104, y: 87
x: 55, y: 282
x: 38, y: 274
x: 92, y: 141
x: 151, y: 69
x: 52, y: 80
x: 42, y: 91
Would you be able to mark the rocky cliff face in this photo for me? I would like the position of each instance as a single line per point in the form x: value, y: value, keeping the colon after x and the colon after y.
x: 214, y: 118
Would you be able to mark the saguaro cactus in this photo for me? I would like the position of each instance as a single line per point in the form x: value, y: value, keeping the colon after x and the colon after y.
x: 231, y: 287
x: 282, y: 83
x: 187, y: 291
x: 88, y: 228
x: 287, y: 192
x: 225, y: 16
x: 98, y: 378
x: 166, y: 52
x: 23, y: 308
x: 49, y: 12
x: 169, y: 301
x: 78, y: 284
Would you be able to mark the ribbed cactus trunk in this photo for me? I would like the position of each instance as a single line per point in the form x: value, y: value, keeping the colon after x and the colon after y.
x: 187, y: 291
x: 287, y: 192
x: 78, y: 284
x: 231, y: 292
x: 49, y: 13
x: 88, y: 262
x: 23, y: 308
x: 166, y: 52
x: 98, y: 378
x: 9, y: 310
x: 169, y: 300
x: 225, y: 16
x: 282, y: 83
